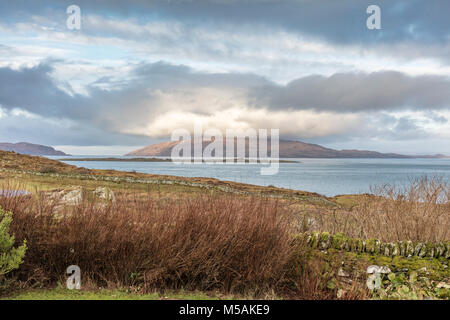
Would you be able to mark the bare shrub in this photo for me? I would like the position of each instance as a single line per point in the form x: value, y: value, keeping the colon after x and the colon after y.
x: 419, y: 211
x: 228, y: 243
x: 48, y: 169
x: 201, y: 243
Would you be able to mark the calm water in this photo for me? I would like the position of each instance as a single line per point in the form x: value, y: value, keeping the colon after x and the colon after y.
x: 325, y: 176
x: 13, y: 193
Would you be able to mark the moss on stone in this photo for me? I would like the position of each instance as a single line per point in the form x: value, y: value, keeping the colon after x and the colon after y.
x: 370, y: 245
x: 324, y: 242
x: 409, y: 249
x: 396, y: 249
x: 417, y: 248
x: 398, y: 264
x: 338, y: 241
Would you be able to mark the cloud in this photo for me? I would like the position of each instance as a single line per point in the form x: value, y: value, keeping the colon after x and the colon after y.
x: 18, y: 126
x: 387, y: 90
x: 337, y: 21
x: 32, y: 89
x: 275, y: 36
x: 159, y: 98
x: 310, y: 68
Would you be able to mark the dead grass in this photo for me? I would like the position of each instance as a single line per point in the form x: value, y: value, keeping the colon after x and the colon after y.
x: 14, y: 161
x: 51, y: 171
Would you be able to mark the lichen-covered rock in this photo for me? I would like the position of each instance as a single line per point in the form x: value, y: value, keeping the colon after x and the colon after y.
x: 447, y: 252
x: 423, y: 251
x: 385, y: 249
x: 377, y: 247
x: 440, y: 249
x: 315, y: 238
x: 352, y: 243
x: 363, y: 246
x: 73, y: 197
x: 431, y: 251
x: 325, y: 240
x: 370, y: 245
x: 402, y: 247
x: 105, y: 193
x: 443, y: 285
x: 378, y: 269
x: 373, y: 246
x: 338, y: 241
x: 357, y: 244
x: 396, y: 249
x: 417, y: 248
x: 409, y: 249
x: 347, y: 244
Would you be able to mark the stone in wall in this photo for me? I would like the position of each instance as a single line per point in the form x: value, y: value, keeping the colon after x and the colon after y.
x: 323, y: 241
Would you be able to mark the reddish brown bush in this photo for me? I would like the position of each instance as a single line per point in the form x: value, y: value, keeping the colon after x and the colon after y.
x: 201, y: 243
x: 418, y: 211
x: 226, y: 243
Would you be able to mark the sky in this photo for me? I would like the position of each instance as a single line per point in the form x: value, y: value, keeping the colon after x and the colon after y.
x: 136, y: 71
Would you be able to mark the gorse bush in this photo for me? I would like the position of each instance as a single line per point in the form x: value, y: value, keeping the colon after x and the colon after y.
x: 10, y: 257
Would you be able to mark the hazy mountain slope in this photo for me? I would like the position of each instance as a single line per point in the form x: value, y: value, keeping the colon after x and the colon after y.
x: 30, y: 149
x: 288, y: 149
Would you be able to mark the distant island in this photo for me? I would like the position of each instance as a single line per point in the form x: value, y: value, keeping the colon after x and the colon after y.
x: 159, y: 160
x: 117, y: 159
x: 288, y: 149
x: 31, y: 149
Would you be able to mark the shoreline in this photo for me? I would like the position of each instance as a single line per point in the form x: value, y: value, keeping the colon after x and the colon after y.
x: 109, y: 159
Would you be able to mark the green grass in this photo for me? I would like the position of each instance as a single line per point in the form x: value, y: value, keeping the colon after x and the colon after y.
x: 105, y: 294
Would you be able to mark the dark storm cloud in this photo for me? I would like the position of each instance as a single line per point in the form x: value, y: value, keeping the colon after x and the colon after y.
x: 411, y: 29
x: 17, y: 128
x: 105, y: 111
x: 34, y: 90
x: 388, y: 90
x: 342, y: 21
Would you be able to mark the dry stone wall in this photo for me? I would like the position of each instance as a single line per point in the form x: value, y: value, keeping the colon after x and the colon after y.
x: 324, y: 241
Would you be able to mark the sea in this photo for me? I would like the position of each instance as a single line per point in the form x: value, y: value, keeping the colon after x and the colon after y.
x: 328, y: 177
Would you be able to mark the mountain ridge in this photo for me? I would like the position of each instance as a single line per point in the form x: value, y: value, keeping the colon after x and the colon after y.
x: 288, y: 149
x: 31, y: 149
